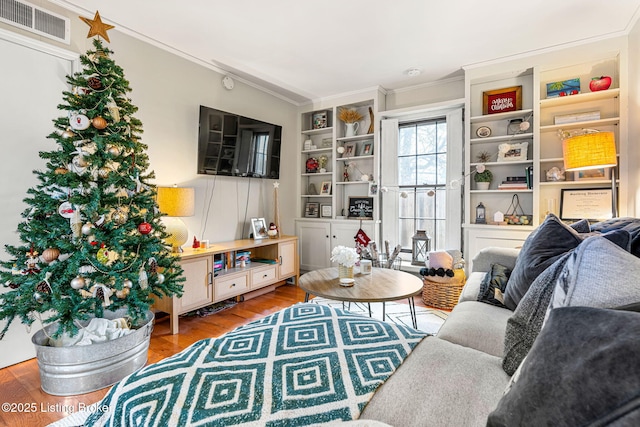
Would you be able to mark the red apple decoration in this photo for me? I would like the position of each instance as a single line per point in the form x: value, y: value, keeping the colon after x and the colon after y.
x: 144, y: 228
x: 600, y: 83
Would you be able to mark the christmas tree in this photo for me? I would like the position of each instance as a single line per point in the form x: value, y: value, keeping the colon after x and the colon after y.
x: 91, y: 236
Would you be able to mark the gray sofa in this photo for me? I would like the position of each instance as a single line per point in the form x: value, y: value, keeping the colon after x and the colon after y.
x: 456, y: 378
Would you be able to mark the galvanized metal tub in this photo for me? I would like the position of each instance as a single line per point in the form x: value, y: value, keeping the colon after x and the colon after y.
x: 66, y: 371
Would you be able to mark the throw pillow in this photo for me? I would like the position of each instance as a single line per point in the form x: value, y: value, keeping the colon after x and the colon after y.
x: 599, y: 273
x: 632, y: 225
x: 527, y: 320
x: 493, y: 285
x: 581, y: 226
x: 543, y: 247
x: 582, y: 370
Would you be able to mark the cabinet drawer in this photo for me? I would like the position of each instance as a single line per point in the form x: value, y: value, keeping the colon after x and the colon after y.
x: 231, y: 286
x: 263, y: 277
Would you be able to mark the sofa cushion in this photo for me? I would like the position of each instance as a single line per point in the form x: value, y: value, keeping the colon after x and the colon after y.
x: 543, y: 247
x: 472, y: 287
x: 600, y: 387
x: 599, y: 273
x: 493, y: 285
x: 440, y: 384
x: 477, y: 325
x: 581, y: 226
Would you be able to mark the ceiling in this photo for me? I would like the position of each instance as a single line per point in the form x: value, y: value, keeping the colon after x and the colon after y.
x: 308, y: 50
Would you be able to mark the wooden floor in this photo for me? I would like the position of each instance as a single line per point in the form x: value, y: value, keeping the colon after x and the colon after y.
x: 29, y: 406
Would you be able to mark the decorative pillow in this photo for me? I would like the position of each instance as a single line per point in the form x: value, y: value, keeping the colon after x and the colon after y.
x: 543, y: 247
x: 493, y: 285
x: 632, y: 225
x: 527, y: 320
x: 440, y: 259
x: 599, y: 273
x: 581, y: 226
x: 582, y: 370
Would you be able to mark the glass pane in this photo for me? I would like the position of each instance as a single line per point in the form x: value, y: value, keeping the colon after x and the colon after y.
x: 407, y: 141
x: 442, y: 169
x: 406, y: 206
x: 406, y: 232
x: 407, y: 170
x: 428, y: 226
x: 425, y: 205
x: 442, y: 137
x: 426, y: 173
x: 439, y: 236
x: 426, y: 138
x: 441, y: 203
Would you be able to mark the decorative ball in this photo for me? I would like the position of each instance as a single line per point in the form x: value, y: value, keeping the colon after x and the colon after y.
x: 128, y: 284
x: 120, y: 216
x: 99, y: 122
x: 68, y: 134
x: 87, y: 228
x: 104, y: 172
x: 61, y: 171
x: 122, y: 293
x: 78, y: 282
x: 144, y: 228
x: 160, y: 278
x: 50, y: 255
x: 94, y: 83
x: 114, y: 150
x: 103, y: 255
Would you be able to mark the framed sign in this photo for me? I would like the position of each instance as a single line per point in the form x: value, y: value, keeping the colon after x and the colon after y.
x: 502, y: 100
x: 586, y: 203
x: 360, y: 208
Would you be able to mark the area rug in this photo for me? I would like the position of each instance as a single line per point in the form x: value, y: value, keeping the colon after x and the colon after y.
x: 429, y: 320
x: 307, y: 364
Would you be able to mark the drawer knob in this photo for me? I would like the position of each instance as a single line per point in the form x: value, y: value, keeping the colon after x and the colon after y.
x: 266, y: 275
x: 232, y: 285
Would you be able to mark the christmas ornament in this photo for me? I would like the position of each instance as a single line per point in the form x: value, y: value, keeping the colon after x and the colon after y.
x: 97, y: 27
x: 127, y: 284
x: 78, y: 282
x: 61, y: 171
x: 79, y: 161
x: 103, y: 293
x: 67, y: 134
x: 104, y: 172
x: 99, y: 122
x: 75, y: 222
x: 38, y: 297
x: 160, y: 278
x: 87, y: 228
x: 94, y: 83
x: 120, y: 216
x: 44, y: 287
x: 144, y: 228
x: 122, y: 293
x: 114, y: 110
x: 50, y: 255
x: 153, y: 265
x: 114, y: 150
x: 31, y: 263
x: 79, y: 122
x: 106, y: 256
x: 143, y: 280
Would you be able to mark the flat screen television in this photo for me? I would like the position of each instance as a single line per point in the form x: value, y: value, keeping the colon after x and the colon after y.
x: 234, y: 145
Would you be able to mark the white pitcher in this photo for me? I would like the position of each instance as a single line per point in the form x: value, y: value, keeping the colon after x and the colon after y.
x: 351, y: 129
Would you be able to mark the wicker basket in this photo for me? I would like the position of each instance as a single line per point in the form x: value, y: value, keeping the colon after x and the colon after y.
x: 443, y: 292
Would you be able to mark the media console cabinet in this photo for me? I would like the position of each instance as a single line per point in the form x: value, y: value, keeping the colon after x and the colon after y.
x: 203, y: 286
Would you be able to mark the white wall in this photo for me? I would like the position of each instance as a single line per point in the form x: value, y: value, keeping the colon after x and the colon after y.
x: 634, y: 122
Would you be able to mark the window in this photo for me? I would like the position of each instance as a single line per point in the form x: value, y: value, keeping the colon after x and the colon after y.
x: 422, y: 177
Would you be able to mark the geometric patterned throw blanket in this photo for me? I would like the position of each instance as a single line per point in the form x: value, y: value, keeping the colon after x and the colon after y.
x: 306, y: 364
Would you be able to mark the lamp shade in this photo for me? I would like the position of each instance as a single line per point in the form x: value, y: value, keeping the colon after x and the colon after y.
x: 176, y: 201
x: 589, y: 151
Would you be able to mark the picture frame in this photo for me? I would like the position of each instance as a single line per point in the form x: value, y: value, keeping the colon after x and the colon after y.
x: 592, y: 174
x: 325, y: 210
x: 512, y: 152
x: 593, y: 204
x: 327, y: 143
x: 259, y: 228
x: 319, y: 120
x: 366, y: 149
x: 373, y: 188
x: 360, y: 208
x: 349, y: 150
x: 325, y: 189
x: 312, y: 210
x: 502, y: 100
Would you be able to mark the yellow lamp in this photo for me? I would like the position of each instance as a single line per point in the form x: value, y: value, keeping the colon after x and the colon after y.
x: 592, y: 150
x: 176, y: 202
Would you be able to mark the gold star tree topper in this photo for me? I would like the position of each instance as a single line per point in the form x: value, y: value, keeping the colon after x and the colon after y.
x: 97, y: 27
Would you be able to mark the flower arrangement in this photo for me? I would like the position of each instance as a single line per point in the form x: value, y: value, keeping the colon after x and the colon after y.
x: 349, y: 115
x: 344, y: 256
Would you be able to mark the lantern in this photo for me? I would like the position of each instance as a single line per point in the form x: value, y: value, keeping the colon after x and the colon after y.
x: 421, y: 247
x: 481, y: 214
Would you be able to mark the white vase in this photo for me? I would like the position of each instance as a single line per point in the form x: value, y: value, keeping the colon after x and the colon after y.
x: 351, y: 129
x: 482, y: 185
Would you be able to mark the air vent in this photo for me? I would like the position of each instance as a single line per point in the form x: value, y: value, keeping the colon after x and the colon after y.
x: 35, y: 19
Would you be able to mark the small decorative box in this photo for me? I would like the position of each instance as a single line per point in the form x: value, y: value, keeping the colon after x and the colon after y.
x: 563, y: 88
